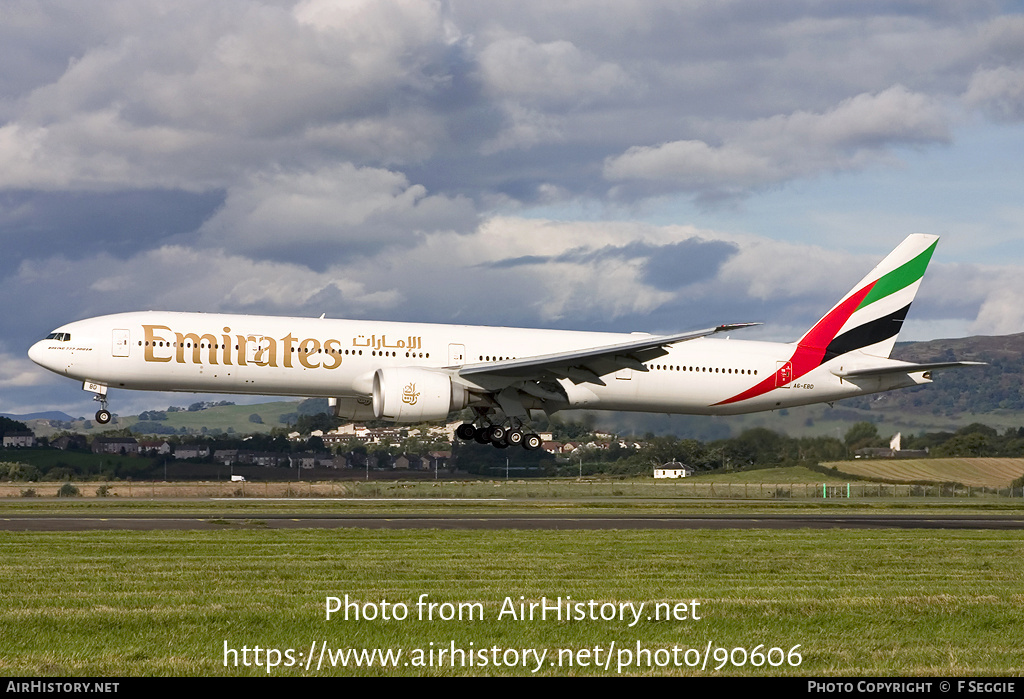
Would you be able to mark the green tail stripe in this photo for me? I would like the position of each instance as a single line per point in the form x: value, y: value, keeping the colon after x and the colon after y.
x: 900, y: 278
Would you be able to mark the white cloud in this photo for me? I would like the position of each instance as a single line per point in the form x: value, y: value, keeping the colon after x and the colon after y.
x: 556, y: 71
x: 333, y: 207
x: 18, y: 372
x: 555, y: 278
x: 854, y: 133
x: 999, y: 91
x: 1001, y: 312
x: 225, y: 282
x: 194, y: 95
x: 779, y: 271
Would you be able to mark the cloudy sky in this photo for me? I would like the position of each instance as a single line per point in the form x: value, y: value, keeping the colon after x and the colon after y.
x: 620, y: 165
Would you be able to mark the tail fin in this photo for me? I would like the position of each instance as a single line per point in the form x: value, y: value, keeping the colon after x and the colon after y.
x: 870, y: 317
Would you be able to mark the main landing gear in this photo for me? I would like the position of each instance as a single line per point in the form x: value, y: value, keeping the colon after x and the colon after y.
x: 498, y: 436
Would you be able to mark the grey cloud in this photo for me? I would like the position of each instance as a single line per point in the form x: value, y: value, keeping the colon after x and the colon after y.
x: 519, y: 262
x: 555, y: 72
x: 666, y: 267
x: 35, y: 224
x: 320, y: 216
x: 681, y: 264
x: 768, y: 151
x: 478, y: 99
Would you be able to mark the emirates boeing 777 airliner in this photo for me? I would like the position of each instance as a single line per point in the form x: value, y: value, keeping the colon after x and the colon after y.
x: 416, y: 372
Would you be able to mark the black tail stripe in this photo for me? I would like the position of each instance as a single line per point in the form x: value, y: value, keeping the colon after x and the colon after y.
x: 868, y: 334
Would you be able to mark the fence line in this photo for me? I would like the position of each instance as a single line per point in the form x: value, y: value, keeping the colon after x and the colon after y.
x: 548, y: 488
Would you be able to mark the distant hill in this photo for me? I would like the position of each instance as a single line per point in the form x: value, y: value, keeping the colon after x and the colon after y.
x: 998, y: 387
x: 221, y: 419
x: 975, y: 348
x: 48, y: 415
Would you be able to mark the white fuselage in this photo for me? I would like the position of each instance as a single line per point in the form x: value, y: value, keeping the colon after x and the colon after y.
x: 265, y: 355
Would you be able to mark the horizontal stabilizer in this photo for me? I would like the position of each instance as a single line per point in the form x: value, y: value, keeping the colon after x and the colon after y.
x: 898, y: 368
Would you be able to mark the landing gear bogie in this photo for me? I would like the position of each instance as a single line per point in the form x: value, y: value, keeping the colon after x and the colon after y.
x: 501, y: 436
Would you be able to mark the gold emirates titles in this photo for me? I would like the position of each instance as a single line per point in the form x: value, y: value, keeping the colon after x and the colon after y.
x: 165, y: 345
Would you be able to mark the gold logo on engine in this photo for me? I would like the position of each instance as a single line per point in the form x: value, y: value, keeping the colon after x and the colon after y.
x: 409, y: 394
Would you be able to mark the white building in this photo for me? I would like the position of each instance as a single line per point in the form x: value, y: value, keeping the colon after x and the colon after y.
x: 673, y: 469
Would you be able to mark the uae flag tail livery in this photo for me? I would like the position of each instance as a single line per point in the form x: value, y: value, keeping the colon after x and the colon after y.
x: 865, y: 321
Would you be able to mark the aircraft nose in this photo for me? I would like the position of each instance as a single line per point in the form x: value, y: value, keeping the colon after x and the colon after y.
x: 37, y: 353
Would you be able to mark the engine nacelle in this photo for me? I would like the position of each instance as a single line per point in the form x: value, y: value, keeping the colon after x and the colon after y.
x: 360, y: 408
x: 407, y: 394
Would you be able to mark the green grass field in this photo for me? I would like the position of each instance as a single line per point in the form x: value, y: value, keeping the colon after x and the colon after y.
x: 784, y: 474
x: 880, y: 603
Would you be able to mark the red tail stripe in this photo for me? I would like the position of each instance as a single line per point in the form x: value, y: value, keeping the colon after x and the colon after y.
x: 811, y: 349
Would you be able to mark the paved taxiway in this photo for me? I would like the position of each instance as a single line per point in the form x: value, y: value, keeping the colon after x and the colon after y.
x: 142, y: 522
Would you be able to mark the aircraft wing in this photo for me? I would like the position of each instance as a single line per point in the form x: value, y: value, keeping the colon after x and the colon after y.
x: 897, y: 367
x: 585, y: 365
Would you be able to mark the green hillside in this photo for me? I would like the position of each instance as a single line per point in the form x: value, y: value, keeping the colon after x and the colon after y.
x: 221, y: 419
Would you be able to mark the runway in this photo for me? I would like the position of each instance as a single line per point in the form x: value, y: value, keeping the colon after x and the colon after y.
x: 148, y: 522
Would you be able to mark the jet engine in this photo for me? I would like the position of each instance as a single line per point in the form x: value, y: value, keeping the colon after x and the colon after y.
x: 360, y: 408
x: 406, y: 394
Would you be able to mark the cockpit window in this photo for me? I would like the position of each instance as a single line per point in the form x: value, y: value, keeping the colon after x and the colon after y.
x: 59, y: 337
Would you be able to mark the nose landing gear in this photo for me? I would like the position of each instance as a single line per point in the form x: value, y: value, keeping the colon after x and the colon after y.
x: 103, y: 415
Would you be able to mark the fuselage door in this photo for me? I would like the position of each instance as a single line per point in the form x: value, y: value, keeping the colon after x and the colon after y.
x: 122, y: 338
x: 783, y: 374
x: 252, y: 346
x: 456, y: 355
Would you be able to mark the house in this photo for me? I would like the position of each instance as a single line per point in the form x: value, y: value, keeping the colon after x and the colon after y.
x: 308, y: 459
x: 551, y: 447
x: 70, y: 441
x: 438, y: 459
x: 271, y: 459
x: 895, y: 451
x: 191, y: 451
x: 226, y: 456
x: 115, y: 445
x: 410, y: 462
x: 155, y: 448
x: 336, y: 439
x: 673, y: 469
x: 19, y: 439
